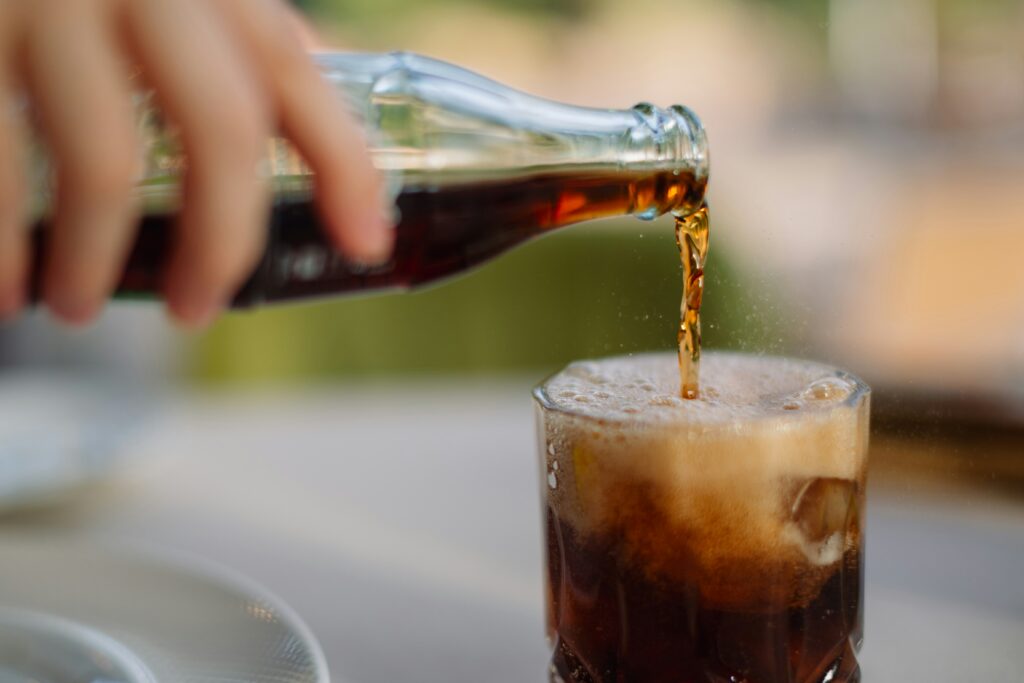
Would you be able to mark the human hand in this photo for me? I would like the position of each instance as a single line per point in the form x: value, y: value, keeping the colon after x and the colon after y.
x: 228, y: 74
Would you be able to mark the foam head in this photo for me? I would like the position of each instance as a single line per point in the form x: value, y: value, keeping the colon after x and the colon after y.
x: 761, y: 476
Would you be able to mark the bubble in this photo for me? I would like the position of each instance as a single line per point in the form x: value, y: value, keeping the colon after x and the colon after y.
x: 551, y: 449
x: 552, y: 481
x: 585, y: 371
x: 828, y: 389
x: 581, y: 398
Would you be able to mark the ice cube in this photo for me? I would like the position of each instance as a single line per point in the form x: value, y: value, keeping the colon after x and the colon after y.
x: 821, y: 514
x: 822, y: 507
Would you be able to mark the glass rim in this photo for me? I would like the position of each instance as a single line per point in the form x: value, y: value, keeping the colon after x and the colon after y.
x: 858, y: 396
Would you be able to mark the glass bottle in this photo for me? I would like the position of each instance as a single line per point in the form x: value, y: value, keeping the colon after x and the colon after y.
x: 473, y: 168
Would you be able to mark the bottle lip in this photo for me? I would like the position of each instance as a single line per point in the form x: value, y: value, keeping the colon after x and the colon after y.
x: 671, y: 138
x: 692, y: 131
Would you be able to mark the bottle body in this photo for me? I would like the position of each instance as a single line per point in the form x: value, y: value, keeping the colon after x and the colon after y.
x: 472, y: 168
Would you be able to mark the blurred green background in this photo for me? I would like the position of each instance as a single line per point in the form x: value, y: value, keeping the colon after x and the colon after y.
x: 597, y: 289
x: 591, y: 290
x: 837, y: 129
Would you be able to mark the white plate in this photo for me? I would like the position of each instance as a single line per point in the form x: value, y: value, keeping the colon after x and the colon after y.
x: 73, y: 613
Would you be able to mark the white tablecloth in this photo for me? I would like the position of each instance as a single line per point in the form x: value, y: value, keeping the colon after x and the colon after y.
x: 403, y: 524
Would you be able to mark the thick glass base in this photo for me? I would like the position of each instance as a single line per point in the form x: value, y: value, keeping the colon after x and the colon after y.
x: 839, y: 671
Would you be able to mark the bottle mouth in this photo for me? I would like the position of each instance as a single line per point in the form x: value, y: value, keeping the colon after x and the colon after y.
x: 692, y: 139
x: 672, y: 137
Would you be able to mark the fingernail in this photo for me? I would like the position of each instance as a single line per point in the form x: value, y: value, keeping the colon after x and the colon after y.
x: 73, y: 311
x: 12, y: 301
x: 378, y: 240
x: 194, y: 313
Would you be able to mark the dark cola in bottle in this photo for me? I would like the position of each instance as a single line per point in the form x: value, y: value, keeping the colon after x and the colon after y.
x: 473, y: 168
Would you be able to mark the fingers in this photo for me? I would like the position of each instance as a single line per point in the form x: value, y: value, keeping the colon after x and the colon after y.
x: 13, y: 240
x: 219, y: 68
x: 313, y: 116
x: 206, y: 88
x: 95, y: 215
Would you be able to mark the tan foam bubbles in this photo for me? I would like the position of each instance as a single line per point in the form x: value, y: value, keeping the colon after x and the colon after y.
x: 746, y: 491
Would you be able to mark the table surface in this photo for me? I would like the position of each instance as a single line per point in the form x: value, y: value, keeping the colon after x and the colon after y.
x: 403, y: 524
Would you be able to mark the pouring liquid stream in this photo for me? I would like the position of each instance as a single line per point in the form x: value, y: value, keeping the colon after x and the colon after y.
x: 692, y: 238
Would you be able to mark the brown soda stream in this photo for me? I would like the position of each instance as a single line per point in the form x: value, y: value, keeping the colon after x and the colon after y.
x: 692, y: 232
x: 444, y: 230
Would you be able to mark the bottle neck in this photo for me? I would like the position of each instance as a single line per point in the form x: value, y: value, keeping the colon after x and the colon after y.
x: 433, y: 124
x: 473, y: 169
